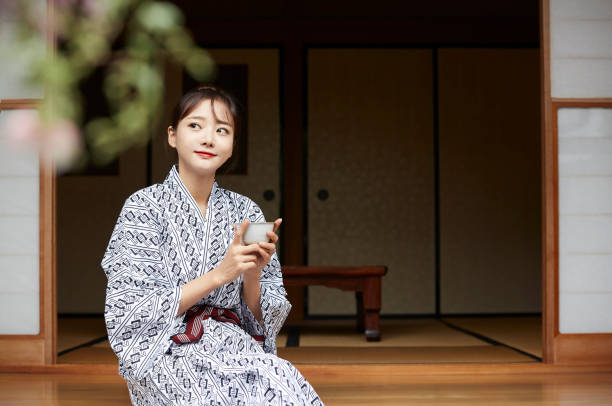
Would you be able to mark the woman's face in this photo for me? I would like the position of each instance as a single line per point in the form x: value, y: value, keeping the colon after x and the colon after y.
x: 203, y: 143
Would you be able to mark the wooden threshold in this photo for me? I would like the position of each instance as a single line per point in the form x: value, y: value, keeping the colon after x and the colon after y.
x: 387, y: 373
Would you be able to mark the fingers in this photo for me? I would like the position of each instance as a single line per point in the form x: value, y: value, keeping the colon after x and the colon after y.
x: 268, y: 246
x: 244, y: 226
x: 254, y: 250
x: 247, y: 249
x: 277, y: 224
x: 272, y: 237
x: 238, y: 233
x: 265, y: 256
x: 249, y: 258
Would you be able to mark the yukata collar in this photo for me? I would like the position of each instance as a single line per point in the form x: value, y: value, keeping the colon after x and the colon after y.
x: 178, y: 188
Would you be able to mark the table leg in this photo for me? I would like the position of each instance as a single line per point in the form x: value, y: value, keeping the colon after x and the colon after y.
x: 360, y: 312
x: 372, y: 299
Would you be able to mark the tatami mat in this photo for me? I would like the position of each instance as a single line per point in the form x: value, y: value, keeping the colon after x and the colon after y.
x: 524, y: 333
x: 411, y: 341
x: 89, y: 355
x: 73, y: 331
x: 281, y: 339
x: 394, y: 333
x: 76, y: 331
x: 102, y: 354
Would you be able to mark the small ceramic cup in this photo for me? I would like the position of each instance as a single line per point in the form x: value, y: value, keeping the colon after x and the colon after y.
x: 256, y: 232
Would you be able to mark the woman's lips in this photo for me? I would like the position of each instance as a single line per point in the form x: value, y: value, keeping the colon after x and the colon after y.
x: 205, y: 154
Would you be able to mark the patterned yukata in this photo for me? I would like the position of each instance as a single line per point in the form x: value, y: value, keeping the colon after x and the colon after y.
x: 161, y: 241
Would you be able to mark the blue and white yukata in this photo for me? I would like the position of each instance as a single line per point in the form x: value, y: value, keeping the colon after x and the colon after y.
x: 161, y: 241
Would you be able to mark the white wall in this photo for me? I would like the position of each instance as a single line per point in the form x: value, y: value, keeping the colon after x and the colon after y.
x: 19, y: 186
x: 581, y: 67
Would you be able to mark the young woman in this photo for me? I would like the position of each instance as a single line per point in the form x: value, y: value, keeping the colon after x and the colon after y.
x: 192, y: 312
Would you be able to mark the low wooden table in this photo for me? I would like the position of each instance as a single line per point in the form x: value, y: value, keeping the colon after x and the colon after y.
x: 365, y: 281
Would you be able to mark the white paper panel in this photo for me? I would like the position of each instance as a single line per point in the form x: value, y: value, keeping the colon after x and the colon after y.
x: 588, y: 156
x: 587, y: 195
x: 581, y: 48
x: 582, y: 78
x: 19, y: 313
x: 585, y: 220
x: 593, y: 9
x: 18, y: 235
x: 19, y: 239
x: 585, y: 313
x: 581, y: 38
x: 19, y: 274
x: 15, y: 162
x: 19, y: 195
x: 585, y: 123
x: 585, y: 273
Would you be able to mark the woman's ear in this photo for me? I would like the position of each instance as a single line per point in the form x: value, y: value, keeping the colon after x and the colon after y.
x: 171, y: 137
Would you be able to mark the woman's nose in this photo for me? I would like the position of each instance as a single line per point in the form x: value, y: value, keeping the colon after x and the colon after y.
x: 207, y: 136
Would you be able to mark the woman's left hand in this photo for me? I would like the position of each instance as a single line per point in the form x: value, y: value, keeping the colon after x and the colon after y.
x: 266, y: 249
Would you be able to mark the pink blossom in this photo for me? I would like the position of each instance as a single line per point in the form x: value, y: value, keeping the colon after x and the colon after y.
x: 61, y: 144
x: 22, y: 129
x: 95, y: 8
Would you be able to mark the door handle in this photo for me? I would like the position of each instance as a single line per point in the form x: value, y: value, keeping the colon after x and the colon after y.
x: 268, y: 195
x: 323, y: 194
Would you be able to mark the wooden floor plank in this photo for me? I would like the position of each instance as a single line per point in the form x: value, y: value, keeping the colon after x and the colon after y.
x: 567, y: 389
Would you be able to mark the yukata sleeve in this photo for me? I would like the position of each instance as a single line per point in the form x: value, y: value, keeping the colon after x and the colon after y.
x: 273, y: 297
x: 141, y: 302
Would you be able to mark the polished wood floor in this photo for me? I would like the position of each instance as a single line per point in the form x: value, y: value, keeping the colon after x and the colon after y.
x: 455, y: 361
x: 524, y: 389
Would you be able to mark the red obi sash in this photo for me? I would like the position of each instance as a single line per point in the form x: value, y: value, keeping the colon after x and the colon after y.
x: 195, y: 317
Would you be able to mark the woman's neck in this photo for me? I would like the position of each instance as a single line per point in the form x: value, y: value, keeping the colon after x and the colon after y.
x: 198, y: 185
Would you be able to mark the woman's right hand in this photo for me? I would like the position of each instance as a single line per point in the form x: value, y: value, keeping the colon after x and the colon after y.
x: 239, y: 257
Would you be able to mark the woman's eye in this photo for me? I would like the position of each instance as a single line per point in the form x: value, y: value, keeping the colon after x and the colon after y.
x: 224, y: 129
x: 192, y: 125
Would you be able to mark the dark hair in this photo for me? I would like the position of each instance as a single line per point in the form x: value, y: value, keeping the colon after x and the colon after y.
x: 195, y: 96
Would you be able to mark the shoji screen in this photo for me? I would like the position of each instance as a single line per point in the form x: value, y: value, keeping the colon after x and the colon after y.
x: 581, y: 72
x: 585, y: 219
x: 19, y: 245
x: 19, y: 196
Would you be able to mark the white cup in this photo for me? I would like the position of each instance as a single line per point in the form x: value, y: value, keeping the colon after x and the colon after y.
x: 256, y: 232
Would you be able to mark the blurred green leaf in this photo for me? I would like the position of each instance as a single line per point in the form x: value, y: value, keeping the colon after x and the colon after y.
x: 133, y: 83
x: 199, y: 64
x: 159, y: 17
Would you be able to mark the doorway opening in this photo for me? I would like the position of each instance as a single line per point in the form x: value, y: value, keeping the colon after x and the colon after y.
x: 429, y: 156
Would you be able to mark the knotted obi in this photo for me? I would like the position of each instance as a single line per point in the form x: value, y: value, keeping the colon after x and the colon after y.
x: 195, y: 316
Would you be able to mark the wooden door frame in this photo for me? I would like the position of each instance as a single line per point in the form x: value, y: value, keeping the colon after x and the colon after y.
x: 41, y: 348
x: 554, y: 345
x: 38, y: 348
x: 548, y: 248
x: 559, y: 348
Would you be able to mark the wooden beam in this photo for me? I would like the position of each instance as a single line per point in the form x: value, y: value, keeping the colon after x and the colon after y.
x: 549, y: 233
